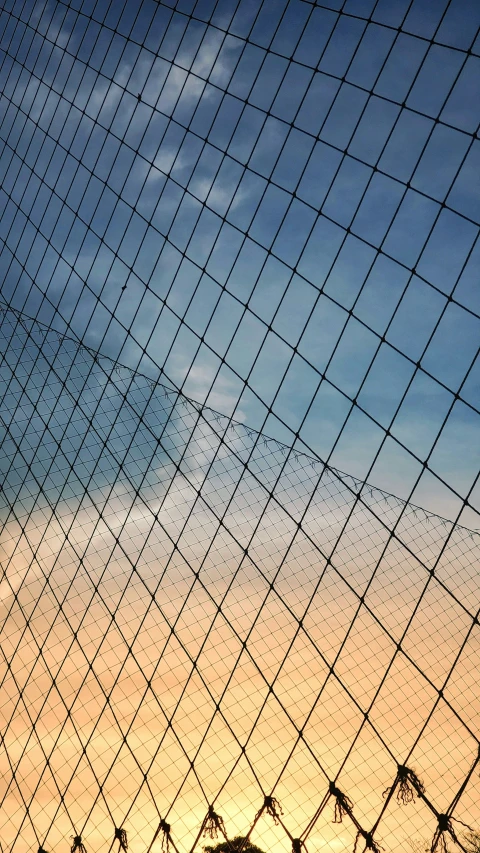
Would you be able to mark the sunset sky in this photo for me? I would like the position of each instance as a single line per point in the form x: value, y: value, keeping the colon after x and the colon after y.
x: 273, y: 210
x: 102, y: 589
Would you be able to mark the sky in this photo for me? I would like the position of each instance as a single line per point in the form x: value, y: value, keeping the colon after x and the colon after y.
x: 277, y: 635
x: 280, y: 309
x: 272, y: 209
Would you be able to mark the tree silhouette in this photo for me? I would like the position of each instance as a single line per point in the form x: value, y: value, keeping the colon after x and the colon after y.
x: 237, y: 843
x: 472, y: 842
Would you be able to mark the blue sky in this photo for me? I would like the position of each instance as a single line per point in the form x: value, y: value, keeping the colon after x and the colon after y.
x: 278, y: 308
x: 273, y: 208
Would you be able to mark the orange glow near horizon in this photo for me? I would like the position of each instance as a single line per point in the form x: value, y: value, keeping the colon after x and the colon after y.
x: 167, y: 709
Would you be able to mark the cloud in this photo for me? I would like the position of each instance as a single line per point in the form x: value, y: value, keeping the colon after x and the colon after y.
x: 117, y: 587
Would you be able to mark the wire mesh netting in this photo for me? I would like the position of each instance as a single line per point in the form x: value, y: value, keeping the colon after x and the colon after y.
x: 239, y: 258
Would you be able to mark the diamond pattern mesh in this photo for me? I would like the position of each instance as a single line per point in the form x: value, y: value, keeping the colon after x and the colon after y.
x: 238, y: 257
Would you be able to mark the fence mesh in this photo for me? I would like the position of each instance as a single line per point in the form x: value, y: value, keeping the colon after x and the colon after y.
x: 239, y: 257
